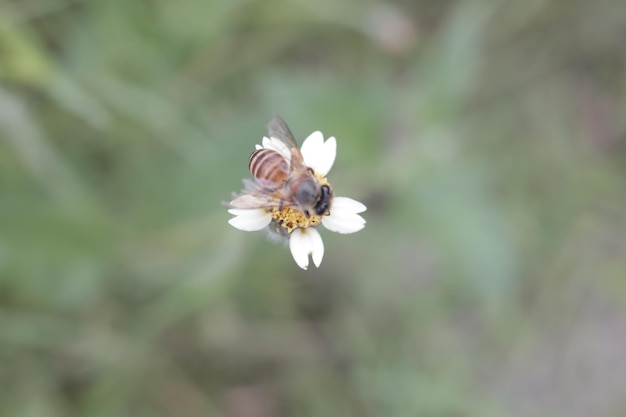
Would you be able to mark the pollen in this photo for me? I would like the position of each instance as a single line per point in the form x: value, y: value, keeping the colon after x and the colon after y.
x: 290, y: 218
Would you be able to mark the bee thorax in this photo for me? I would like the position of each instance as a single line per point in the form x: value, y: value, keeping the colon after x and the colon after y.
x: 307, y: 193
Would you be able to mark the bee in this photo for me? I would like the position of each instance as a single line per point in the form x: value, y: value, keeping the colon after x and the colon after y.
x: 282, y: 179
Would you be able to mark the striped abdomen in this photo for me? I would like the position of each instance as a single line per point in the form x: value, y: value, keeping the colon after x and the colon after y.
x: 269, y: 167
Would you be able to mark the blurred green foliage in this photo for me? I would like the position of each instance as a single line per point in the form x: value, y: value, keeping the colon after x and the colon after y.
x: 487, y: 139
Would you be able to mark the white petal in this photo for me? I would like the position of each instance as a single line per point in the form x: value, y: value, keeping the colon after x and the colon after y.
x: 247, y: 212
x: 305, y: 242
x: 318, y: 154
x: 346, y: 204
x: 267, y: 143
x: 343, y: 216
x: 249, y: 219
x: 299, y: 246
x: 343, y: 222
x: 317, y: 254
x: 257, y: 147
x: 312, y: 145
x: 330, y: 152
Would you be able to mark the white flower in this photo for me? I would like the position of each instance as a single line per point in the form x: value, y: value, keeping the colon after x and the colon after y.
x: 306, y: 241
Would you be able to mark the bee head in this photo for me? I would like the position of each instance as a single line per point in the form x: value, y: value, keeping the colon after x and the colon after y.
x: 322, y: 206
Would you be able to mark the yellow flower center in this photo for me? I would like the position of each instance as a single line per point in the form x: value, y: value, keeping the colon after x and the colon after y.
x: 291, y: 218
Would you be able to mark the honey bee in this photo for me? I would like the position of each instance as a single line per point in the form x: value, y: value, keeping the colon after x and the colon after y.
x: 282, y: 179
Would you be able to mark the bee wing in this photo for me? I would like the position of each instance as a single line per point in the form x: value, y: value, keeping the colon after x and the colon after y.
x: 277, y: 128
x: 255, y: 195
x: 250, y: 201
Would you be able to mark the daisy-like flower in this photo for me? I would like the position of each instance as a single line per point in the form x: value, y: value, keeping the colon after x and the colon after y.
x: 342, y: 215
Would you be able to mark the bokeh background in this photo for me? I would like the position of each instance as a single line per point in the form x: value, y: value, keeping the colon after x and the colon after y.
x: 487, y: 138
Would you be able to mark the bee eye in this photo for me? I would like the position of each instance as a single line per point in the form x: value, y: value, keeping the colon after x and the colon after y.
x: 323, y: 204
x: 306, y: 194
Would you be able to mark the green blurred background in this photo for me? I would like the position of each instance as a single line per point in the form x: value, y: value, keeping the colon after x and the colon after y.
x: 487, y: 138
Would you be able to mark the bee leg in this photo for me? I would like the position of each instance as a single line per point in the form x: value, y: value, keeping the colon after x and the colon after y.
x: 307, y: 214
